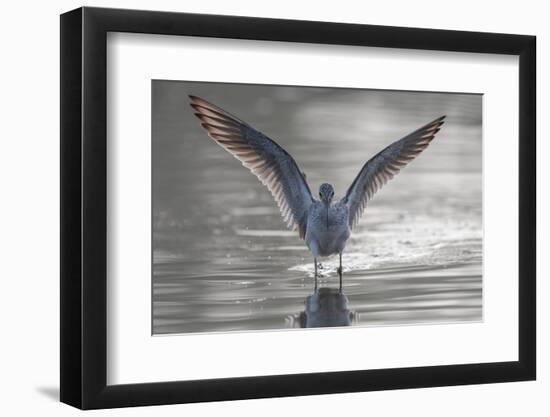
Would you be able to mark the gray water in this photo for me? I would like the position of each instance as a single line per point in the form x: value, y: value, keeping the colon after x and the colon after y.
x: 223, y: 259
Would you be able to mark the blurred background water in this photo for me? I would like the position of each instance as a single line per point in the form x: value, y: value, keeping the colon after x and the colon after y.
x: 222, y: 257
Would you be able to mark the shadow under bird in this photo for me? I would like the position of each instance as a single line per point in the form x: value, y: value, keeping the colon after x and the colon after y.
x: 326, y: 307
x: 325, y: 225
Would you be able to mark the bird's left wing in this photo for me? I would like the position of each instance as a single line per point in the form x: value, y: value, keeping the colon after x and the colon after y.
x: 273, y: 166
x: 383, y: 166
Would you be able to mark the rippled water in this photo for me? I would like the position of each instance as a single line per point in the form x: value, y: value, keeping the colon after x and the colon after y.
x: 222, y: 258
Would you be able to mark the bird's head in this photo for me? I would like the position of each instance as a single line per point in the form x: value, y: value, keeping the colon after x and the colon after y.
x: 326, y: 192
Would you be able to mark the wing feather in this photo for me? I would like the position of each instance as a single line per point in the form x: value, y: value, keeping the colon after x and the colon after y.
x: 273, y: 166
x: 385, y: 165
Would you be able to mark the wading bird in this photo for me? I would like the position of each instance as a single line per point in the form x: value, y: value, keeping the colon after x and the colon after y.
x: 323, y: 224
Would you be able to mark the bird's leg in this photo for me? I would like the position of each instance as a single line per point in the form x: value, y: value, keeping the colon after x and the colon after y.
x: 340, y: 271
x: 315, y: 263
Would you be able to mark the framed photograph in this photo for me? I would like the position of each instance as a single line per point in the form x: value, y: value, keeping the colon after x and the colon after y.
x: 256, y: 208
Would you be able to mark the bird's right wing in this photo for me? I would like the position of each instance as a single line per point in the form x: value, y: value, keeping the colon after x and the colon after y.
x: 273, y: 166
x: 383, y: 166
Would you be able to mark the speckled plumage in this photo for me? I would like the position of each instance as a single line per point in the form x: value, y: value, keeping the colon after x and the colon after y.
x: 327, y: 228
x: 323, y: 224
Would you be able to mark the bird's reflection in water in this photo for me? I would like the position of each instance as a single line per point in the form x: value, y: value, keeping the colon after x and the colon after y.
x: 326, y: 307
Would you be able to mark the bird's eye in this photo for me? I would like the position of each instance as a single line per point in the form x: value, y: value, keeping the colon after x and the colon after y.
x: 320, y: 194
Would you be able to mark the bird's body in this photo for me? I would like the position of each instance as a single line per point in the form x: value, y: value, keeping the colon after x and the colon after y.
x: 327, y: 228
x: 324, y: 224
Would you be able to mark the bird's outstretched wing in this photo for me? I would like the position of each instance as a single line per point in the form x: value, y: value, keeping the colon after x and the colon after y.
x: 384, y: 166
x: 273, y: 166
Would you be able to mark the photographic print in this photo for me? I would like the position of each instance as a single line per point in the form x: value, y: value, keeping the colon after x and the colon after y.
x: 280, y: 207
x: 311, y: 199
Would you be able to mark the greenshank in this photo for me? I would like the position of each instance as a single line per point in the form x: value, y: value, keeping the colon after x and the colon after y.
x: 324, y: 225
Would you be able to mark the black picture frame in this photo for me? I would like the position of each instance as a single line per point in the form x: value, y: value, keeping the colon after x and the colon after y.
x: 84, y: 222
